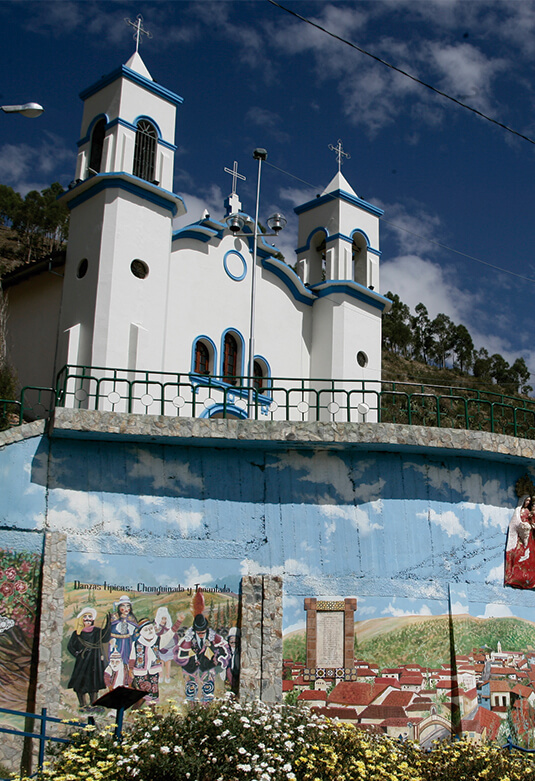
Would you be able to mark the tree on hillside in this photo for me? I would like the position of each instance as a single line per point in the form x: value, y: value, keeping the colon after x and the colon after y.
x: 397, y: 332
x: 463, y: 347
x: 39, y: 221
x: 422, y: 339
x: 482, y: 365
x: 520, y: 375
x: 443, y: 333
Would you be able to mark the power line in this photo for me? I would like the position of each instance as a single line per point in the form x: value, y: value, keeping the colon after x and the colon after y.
x: 403, y: 73
x: 418, y: 235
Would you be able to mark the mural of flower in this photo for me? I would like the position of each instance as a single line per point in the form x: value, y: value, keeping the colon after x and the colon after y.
x: 7, y: 589
x: 19, y: 585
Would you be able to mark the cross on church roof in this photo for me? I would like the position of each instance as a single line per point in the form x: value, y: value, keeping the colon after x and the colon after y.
x: 139, y: 31
x: 235, y: 176
x: 339, y: 153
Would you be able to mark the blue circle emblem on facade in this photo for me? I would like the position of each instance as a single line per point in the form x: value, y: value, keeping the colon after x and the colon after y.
x: 235, y: 265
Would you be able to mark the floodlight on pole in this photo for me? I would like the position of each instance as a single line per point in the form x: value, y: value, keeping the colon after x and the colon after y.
x: 235, y: 223
x: 30, y: 110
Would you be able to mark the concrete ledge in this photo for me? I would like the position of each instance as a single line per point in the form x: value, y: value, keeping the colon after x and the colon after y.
x: 87, y: 424
x: 18, y: 433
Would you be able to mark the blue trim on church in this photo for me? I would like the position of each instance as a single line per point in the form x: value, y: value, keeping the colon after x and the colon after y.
x: 199, y: 231
x: 290, y: 279
x: 123, y: 72
x: 102, y: 182
x: 352, y: 289
x: 342, y: 195
x: 130, y: 126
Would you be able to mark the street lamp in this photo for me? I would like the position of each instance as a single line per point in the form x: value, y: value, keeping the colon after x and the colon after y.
x: 236, y: 223
x: 30, y: 110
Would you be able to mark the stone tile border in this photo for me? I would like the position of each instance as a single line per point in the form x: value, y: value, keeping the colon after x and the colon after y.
x: 261, y: 638
x: 18, y: 433
x: 220, y: 432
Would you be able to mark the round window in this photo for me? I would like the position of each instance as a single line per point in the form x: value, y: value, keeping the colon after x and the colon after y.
x: 362, y: 359
x: 139, y: 269
x: 82, y: 268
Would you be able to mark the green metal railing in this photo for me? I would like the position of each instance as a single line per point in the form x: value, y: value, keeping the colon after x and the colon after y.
x: 277, y: 398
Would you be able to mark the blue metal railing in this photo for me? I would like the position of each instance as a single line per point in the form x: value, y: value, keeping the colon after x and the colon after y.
x: 41, y: 736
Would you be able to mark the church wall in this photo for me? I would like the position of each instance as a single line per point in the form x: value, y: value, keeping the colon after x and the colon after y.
x: 280, y: 334
x: 33, y: 327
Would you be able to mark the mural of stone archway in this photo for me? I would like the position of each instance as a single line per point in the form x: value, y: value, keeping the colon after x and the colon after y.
x: 434, y: 727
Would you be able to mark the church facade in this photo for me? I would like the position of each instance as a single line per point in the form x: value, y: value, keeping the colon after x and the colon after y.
x: 139, y: 296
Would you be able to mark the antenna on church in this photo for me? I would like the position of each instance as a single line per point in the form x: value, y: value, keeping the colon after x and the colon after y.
x: 339, y: 153
x: 139, y: 30
x: 233, y: 203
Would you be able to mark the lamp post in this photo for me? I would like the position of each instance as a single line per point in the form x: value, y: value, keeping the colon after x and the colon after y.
x: 30, y: 110
x: 236, y: 223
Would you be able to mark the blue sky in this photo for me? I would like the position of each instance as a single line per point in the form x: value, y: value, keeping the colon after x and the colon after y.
x: 251, y: 75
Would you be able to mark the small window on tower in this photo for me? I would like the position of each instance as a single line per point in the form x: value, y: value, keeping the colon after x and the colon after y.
x: 145, y: 150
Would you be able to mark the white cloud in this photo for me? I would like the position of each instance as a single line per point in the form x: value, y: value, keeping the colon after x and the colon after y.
x: 167, y: 511
x: 211, y: 200
x: 330, y: 529
x: 457, y: 608
x: 173, y: 476
x: 367, y: 610
x: 399, y: 613
x: 496, y: 610
x: 355, y: 514
x: 297, y: 627
x: 289, y: 602
x: 466, y: 72
x: 192, y: 576
x: 492, y: 516
x: 416, y: 280
x: 496, y: 574
x: 29, y: 167
x: 290, y: 567
x: 447, y: 521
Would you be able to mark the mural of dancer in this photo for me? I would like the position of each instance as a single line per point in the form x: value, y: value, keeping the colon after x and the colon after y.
x: 168, y: 638
x: 201, y: 653
x: 86, y: 645
x: 145, y: 661
x: 117, y: 673
x: 123, y: 626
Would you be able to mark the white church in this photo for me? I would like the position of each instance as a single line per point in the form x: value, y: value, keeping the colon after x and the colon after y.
x: 193, y: 321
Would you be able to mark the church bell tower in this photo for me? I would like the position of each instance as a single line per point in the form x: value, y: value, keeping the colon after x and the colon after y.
x: 122, y: 206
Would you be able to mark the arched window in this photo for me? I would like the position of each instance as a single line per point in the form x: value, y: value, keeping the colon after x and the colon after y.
x: 230, y: 358
x: 317, y: 259
x: 258, y: 376
x: 145, y: 150
x: 202, y: 358
x: 360, y: 259
x: 97, y: 143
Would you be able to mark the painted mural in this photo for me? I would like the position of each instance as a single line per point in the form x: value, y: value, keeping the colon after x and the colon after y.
x: 19, y: 599
x: 166, y: 641
x: 424, y: 671
x: 417, y: 538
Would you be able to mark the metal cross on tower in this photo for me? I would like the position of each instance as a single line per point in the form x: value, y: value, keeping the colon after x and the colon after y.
x: 339, y: 153
x: 235, y: 176
x: 139, y: 31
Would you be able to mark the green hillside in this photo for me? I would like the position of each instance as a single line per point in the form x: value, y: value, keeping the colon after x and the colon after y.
x: 425, y: 640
